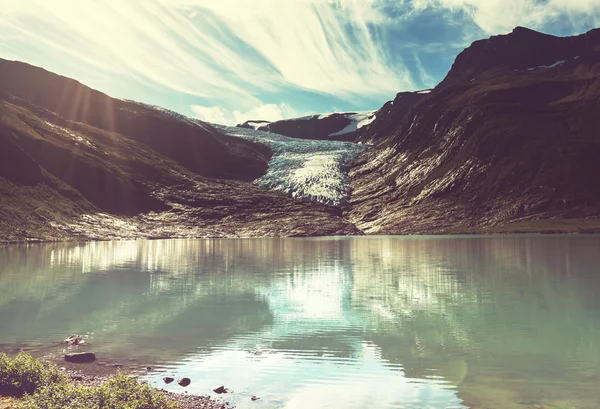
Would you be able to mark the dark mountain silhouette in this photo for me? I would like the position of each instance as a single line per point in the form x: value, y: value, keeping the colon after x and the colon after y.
x: 201, y: 150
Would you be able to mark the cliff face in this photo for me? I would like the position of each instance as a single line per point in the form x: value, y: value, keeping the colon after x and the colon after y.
x: 509, y: 136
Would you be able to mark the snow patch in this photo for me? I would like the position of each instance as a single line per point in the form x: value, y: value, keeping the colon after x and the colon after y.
x: 556, y: 64
x: 359, y: 120
x: 257, y: 124
x: 425, y: 91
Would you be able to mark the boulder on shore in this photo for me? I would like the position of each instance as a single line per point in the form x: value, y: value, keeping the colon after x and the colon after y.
x: 184, y: 382
x: 80, y: 357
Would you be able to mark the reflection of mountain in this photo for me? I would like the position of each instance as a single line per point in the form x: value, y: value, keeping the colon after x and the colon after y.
x: 469, y: 311
x: 480, y: 310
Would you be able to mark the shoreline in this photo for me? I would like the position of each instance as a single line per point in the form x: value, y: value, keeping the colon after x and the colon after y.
x: 93, y: 375
x: 558, y: 227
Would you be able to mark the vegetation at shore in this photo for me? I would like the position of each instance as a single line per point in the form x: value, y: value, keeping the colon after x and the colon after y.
x: 41, y: 386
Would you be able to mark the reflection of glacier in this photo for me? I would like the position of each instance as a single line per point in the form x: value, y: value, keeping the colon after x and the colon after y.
x: 304, y: 168
x: 308, y: 302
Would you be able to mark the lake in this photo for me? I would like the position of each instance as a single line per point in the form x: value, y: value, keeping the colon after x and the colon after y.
x: 366, y: 322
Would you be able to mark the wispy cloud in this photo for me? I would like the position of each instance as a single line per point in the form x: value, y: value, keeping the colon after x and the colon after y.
x: 223, y: 50
x: 236, y: 58
x: 267, y: 112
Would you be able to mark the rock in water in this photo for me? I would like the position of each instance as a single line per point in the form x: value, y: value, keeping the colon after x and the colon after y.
x: 184, y: 382
x: 255, y: 398
x: 80, y: 357
x: 74, y: 340
x: 219, y: 390
x: 168, y: 379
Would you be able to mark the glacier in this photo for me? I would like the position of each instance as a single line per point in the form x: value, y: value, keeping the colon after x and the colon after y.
x: 304, y: 168
x: 315, y: 170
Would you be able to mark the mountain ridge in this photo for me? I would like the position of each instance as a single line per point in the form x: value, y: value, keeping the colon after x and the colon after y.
x: 488, y: 147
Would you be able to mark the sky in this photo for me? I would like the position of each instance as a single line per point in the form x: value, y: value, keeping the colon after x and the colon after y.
x: 228, y: 61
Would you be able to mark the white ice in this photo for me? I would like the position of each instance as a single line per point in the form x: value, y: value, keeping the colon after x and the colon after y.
x: 556, y: 64
x: 304, y: 168
x: 258, y: 124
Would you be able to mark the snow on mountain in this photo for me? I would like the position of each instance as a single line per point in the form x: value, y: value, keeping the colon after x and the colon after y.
x: 257, y: 124
x: 358, y: 121
x: 556, y: 64
x: 303, y: 168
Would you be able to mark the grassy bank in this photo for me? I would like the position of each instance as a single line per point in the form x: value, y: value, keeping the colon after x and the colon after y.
x: 27, y: 383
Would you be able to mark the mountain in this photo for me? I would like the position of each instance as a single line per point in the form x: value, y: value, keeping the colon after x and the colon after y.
x: 76, y: 163
x: 337, y: 126
x: 198, y: 148
x: 506, y: 142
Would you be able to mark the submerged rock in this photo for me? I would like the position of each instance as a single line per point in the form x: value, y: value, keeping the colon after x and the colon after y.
x: 80, y: 357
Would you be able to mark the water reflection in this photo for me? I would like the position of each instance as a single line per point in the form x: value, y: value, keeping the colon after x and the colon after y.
x: 345, y: 322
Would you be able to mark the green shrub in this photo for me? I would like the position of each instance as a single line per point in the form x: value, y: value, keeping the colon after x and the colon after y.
x: 25, y: 374
x: 121, y: 391
x: 46, y: 387
x: 65, y: 395
x: 118, y: 392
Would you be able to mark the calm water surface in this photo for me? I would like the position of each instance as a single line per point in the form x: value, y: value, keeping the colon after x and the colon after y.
x: 383, y: 322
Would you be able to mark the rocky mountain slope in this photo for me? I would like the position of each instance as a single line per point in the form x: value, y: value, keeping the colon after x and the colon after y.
x: 508, y: 141
x: 75, y: 163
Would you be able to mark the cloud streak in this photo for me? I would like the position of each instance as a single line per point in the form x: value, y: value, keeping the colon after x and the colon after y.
x: 215, y: 50
x: 235, y: 59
